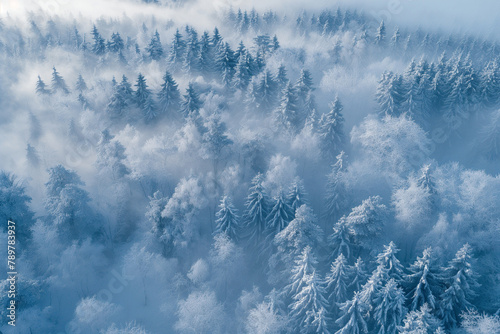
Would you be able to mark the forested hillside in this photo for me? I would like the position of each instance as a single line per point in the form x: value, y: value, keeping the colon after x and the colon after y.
x: 254, y: 172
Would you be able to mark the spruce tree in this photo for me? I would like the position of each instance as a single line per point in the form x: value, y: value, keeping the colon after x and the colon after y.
x: 58, y: 83
x: 358, y: 275
x: 339, y: 241
x: 423, y: 282
x: 305, y: 265
x: 390, y: 308
x: 297, y: 195
x: 280, y: 215
x: 144, y: 99
x: 309, y: 307
x: 337, y: 195
x: 41, y: 87
x: 99, y: 47
x: 387, y: 259
x: 263, y: 92
x: 225, y: 63
x: 191, y: 103
x: 352, y: 320
x: 257, y: 209
x: 116, y: 44
x: 287, y: 115
x: 337, y: 281
x: 169, y: 96
x: 460, y: 285
x: 177, y: 50
x: 390, y: 94
x: 331, y: 129
x: 155, y: 49
x: 81, y: 86
x: 192, y: 53
x: 227, y: 219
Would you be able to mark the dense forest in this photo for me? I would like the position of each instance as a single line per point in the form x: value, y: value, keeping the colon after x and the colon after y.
x: 255, y: 172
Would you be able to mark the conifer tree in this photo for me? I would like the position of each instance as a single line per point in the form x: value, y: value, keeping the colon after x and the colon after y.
x: 257, y: 210
x: 421, y: 321
x: 169, y: 96
x: 305, y: 265
x: 337, y: 196
x: 116, y: 44
x: 205, y: 60
x: 41, y: 87
x: 177, y: 50
x: 423, y: 282
x: 227, y: 219
x: 390, y: 94
x: 155, y: 49
x: 340, y: 240
x: 144, y: 99
x: 280, y: 215
x: 191, y: 103
x: 390, y: 309
x: 287, y: 114
x: 380, y: 35
x: 58, y: 83
x: 358, y: 275
x: 263, y: 92
x: 225, y: 63
x: 99, y: 47
x: 81, y: 86
x: 308, y: 310
x: 192, y: 53
x: 352, y: 320
x: 337, y: 281
x: 389, y: 262
x: 331, y: 129
x: 460, y: 285
x: 297, y: 195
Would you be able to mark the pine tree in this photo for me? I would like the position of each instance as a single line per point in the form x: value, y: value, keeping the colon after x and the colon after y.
x: 58, y: 83
x: 390, y: 94
x: 380, y: 35
x: 282, y: 77
x: 214, y: 140
x: 340, y: 240
x: 192, y: 54
x: 191, y: 104
x: 155, y: 49
x: 310, y: 305
x: 337, y: 196
x: 205, y: 57
x: 352, y: 321
x: 305, y: 265
x: 116, y: 44
x: 390, y: 308
x: 396, y: 38
x: 122, y: 97
x: 177, y: 50
x: 337, y: 281
x: 169, y: 96
x: 387, y: 259
x: 81, y: 86
x: 41, y: 87
x: 280, y: 215
x: 421, y: 321
x: 242, y: 73
x: 358, y: 275
x: 257, y: 210
x: 331, y: 129
x: 297, y: 195
x: 263, y: 92
x: 366, y: 221
x: 371, y: 289
x: 144, y: 98
x: 287, y: 114
x: 304, y: 84
x: 225, y: 63
x: 227, y: 218
x: 490, y: 84
x: 99, y: 47
x: 423, y: 282
x: 460, y: 282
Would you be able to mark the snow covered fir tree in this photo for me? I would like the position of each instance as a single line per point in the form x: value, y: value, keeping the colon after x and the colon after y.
x: 281, y: 167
